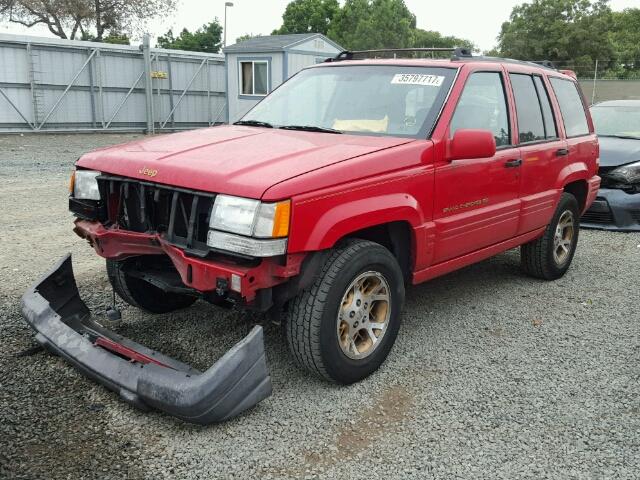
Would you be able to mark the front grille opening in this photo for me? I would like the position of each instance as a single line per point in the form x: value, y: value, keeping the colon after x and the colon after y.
x: 181, y: 215
x: 602, y: 218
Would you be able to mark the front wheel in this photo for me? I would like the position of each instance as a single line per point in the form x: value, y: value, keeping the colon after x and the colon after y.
x: 550, y: 256
x: 343, y: 327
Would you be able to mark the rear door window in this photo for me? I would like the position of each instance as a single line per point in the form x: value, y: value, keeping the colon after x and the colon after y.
x: 530, y: 122
x: 483, y: 105
x: 547, y: 112
x: 571, y: 107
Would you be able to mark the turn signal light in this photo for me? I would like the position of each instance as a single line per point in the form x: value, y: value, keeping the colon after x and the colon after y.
x: 281, y: 219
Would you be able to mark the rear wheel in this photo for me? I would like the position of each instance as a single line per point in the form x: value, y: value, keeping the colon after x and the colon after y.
x: 140, y: 293
x: 343, y: 327
x: 550, y: 256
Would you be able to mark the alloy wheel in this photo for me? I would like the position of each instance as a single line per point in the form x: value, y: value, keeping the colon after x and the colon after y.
x: 364, y: 315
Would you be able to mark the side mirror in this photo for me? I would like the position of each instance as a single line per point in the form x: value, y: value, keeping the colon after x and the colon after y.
x: 468, y: 144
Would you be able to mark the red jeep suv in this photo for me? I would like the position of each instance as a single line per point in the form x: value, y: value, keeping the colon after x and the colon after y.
x: 351, y: 181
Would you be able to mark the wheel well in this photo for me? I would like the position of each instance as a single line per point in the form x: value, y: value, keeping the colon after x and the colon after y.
x: 579, y: 190
x: 396, y: 237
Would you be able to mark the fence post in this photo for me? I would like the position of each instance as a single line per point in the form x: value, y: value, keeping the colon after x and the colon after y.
x: 148, y: 85
x: 595, y: 78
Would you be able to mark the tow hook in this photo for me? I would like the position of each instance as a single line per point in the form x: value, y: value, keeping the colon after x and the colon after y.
x: 222, y: 285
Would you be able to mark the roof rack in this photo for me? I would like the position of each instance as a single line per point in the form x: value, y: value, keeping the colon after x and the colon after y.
x: 544, y: 63
x: 458, y: 52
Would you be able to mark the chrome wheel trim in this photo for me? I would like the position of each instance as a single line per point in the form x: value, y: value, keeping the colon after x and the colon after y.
x: 363, y: 315
x: 563, y: 238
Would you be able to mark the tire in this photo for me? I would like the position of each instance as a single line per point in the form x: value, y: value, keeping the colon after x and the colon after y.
x: 319, y: 341
x: 538, y: 258
x: 141, y: 294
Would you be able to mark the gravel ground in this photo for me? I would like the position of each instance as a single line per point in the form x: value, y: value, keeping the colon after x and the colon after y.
x: 493, y: 375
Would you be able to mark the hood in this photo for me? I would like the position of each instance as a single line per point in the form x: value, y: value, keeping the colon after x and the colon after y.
x: 235, y: 160
x: 618, y: 151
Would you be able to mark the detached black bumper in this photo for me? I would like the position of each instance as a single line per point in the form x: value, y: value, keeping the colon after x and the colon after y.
x: 143, y: 377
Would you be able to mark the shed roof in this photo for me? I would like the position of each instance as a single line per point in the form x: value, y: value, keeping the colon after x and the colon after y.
x: 271, y: 43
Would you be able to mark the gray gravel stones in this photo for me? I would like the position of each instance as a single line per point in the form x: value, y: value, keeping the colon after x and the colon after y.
x: 494, y: 374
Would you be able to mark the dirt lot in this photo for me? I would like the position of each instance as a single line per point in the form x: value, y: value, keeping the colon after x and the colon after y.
x: 494, y: 374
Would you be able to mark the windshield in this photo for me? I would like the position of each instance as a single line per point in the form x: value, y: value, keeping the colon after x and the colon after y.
x: 367, y: 99
x: 617, y: 121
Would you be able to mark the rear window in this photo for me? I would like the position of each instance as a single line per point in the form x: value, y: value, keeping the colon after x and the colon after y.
x: 571, y: 107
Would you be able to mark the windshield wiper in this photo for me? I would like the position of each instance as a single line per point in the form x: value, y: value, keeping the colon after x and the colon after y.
x: 253, y: 123
x: 310, y: 128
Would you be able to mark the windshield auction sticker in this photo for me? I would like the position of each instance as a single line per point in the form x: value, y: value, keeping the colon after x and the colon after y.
x: 417, y: 79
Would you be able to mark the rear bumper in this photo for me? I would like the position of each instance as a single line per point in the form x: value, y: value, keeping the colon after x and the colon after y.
x: 200, y: 274
x: 143, y: 377
x: 593, y: 187
x: 613, y: 209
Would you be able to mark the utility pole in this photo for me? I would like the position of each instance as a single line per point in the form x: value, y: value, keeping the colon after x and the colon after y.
x: 148, y: 85
x: 226, y: 5
x: 595, y: 77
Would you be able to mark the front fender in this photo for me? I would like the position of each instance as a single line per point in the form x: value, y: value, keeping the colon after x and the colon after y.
x: 345, y: 218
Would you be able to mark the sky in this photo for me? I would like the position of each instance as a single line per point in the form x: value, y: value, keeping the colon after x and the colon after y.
x: 476, y: 20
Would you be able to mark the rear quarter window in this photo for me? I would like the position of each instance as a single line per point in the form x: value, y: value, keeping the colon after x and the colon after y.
x: 571, y: 107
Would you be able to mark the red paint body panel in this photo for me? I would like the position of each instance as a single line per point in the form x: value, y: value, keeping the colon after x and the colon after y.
x: 459, y: 211
x: 242, y: 161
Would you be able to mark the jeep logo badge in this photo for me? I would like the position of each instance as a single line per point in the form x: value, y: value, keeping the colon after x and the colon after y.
x: 148, y: 172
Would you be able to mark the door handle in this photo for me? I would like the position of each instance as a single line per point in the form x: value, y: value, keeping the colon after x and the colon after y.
x: 562, y: 152
x: 513, y: 163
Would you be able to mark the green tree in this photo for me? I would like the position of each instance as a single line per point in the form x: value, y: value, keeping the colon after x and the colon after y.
x: 430, y: 38
x: 246, y: 36
x: 308, y: 16
x: 85, y: 18
x: 573, y: 33
x: 205, y: 39
x: 370, y: 24
x: 113, y: 37
x: 117, y: 39
x: 625, y: 35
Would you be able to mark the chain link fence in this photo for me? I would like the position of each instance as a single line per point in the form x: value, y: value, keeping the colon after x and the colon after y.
x: 605, y: 80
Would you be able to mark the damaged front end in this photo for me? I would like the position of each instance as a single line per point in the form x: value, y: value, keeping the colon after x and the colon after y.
x: 617, y: 206
x: 143, y: 377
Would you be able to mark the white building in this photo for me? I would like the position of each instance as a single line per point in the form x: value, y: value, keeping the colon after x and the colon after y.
x: 258, y: 65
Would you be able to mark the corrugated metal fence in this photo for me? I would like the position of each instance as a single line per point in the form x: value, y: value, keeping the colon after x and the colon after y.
x: 60, y: 85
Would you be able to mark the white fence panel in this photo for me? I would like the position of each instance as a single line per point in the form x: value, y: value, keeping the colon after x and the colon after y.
x: 61, y: 85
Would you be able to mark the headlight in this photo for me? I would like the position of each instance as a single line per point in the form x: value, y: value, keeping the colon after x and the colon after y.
x: 626, y: 174
x: 234, y: 214
x: 250, y: 217
x: 261, y: 228
x: 85, y: 185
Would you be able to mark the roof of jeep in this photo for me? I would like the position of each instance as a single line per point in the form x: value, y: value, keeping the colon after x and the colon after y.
x: 447, y: 63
